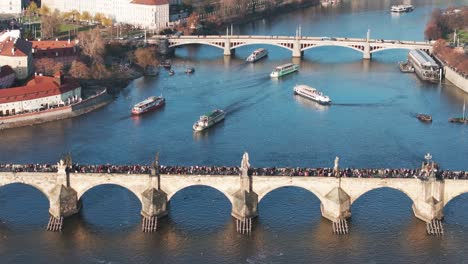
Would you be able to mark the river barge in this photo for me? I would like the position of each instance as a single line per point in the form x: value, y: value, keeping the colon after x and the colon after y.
x: 461, y: 120
x: 209, y: 119
x: 425, y: 67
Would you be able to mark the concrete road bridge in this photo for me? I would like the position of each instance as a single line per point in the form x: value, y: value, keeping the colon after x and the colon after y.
x: 64, y: 190
x: 296, y: 44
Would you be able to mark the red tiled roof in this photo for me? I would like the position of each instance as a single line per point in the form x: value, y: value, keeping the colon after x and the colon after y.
x: 150, y: 2
x: 40, y: 86
x: 5, y: 71
x: 52, y: 44
x: 21, y: 48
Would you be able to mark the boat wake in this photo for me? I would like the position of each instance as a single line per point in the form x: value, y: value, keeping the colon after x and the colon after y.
x: 362, y: 105
x: 245, y: 103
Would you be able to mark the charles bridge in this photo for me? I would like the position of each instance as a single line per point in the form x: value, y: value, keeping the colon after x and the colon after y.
x: 64, y: 188
x: 296, y: 44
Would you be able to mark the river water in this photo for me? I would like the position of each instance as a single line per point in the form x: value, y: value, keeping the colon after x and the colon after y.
x: 370, y: 124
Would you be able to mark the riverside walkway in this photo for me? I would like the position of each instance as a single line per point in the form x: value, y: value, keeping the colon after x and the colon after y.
x: 429, y: 188
x: 296, y: 44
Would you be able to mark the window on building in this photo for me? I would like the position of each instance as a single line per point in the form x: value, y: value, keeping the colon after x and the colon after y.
x: 1, y: 112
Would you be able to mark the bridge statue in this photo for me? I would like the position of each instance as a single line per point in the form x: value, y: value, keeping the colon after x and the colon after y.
x: 61, y: 167
x: 245, y: 165
x: 155, y: 165
x: 337, y: 160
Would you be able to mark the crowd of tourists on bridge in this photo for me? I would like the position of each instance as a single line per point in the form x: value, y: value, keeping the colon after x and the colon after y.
x: 223, y: 170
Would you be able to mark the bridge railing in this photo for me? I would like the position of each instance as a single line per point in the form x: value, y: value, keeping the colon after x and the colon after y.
x: 225, y: 170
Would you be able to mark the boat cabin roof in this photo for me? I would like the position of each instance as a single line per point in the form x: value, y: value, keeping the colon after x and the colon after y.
x: 423, y: 58
x: 284, y: 66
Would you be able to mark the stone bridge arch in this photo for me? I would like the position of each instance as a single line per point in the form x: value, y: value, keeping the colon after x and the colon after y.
x: 453, y: 189
x: 135, y: 183
x: 262, y: 185
x: 355, y: 188
x: 44, y: 182
x: 227, y: 185
x: 38, y: 187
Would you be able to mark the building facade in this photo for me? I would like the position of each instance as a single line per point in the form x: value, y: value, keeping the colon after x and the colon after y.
x: 64, y: 52
x: 17, y: 53
x: 149, y: 14
x: 10, y: 6
x: 42, y: 92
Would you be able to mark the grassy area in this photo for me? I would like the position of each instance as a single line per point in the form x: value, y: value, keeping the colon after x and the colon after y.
x: 72, y: 28
x: 463, y: 35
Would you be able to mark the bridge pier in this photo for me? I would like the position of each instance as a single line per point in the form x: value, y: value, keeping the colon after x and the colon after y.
x: 63, y: 199
x: 227, y: 47
x: 336, y: 205
x: 297, y: 53
x: 154, y: 201
x: 245, y: 200
x: 367, y: 54
x: 429, y: 204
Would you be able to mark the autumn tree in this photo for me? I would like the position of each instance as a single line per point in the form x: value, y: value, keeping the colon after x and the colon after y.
x: 79, y: 70
x: 50, y: 24
x: 31, y: 9
x: 99, y: 70
x: 44, y: 10
x: 85, y: 16
x: 92, y: 45
x: 47, y: 66
x: 146, y: 57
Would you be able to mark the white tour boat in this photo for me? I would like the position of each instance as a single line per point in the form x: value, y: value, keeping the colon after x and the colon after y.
x: 401, y: 8
x: 209, y: 119
x: 257, y: 55
x: 312, y: 94
x: 284, y: 69
x: 148, y: 104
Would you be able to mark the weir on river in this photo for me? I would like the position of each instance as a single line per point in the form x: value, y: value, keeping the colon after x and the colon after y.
x: 429, y: 188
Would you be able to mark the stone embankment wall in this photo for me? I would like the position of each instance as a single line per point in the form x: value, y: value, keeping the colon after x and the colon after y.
x: 455, y: 78
x: 84, y: 107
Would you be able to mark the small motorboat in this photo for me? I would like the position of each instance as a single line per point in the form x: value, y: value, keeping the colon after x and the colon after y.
x: 190, y: 70
x: 462, y: 119
x: 171, y: 72
x: 424, y: 118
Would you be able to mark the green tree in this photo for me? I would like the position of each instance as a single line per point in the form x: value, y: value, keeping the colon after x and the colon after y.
x: 31, y: 9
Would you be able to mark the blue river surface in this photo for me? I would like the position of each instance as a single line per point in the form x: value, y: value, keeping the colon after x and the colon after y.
x: 371, y: 123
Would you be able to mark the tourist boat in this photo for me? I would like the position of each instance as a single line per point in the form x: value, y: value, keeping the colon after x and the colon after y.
x: 284, y: 69
x: 424, y: 118
x: 462, y: 120
x: 401, y: 8
x: 148, y: 104
x: 190, y: 70
x: 209, y: 119
x: 312, y: 94
x: 257, y: 55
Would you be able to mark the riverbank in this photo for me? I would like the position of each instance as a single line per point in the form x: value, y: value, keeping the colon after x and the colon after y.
x: 456, y: 78
x: 93, y: 102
